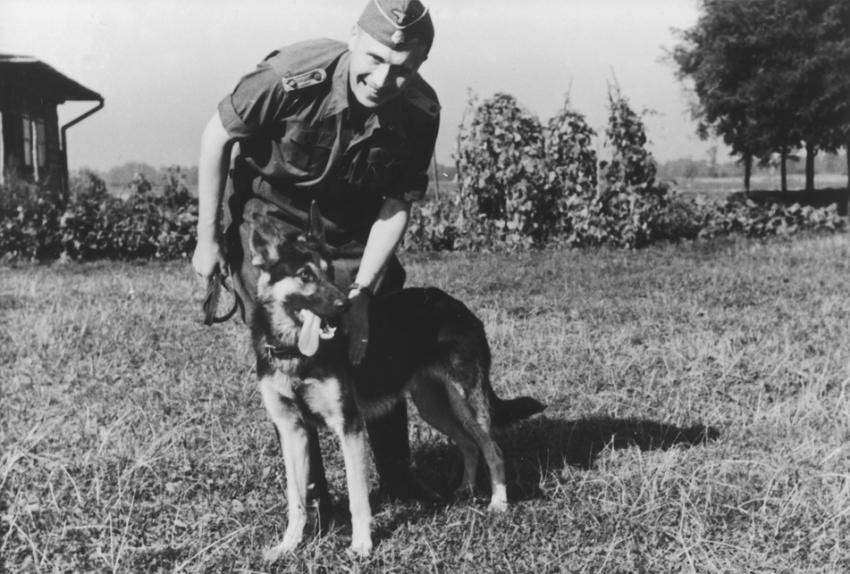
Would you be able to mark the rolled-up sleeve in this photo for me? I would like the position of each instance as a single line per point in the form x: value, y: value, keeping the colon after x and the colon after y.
x: 413, y: 182
x: 258, y: 103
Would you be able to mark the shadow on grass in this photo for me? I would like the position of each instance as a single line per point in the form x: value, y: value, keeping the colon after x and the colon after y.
x: 533, y: 450
x: 536, y: 448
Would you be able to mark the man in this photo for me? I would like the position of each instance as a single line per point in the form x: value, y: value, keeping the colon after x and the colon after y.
x: 352, y: 128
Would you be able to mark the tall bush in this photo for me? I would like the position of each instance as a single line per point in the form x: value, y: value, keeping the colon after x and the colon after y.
x: 630, y: 200
x: 501, y: 169
x: 572, y: 164
x: 524, y: 185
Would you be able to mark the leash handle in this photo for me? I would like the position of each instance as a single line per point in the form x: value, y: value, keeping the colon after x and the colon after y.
x: 214, y: 284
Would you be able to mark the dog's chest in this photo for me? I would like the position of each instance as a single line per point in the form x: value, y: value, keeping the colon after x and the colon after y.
x: 313, y: 392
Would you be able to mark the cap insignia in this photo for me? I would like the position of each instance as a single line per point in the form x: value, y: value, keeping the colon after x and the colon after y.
x: 400, y: 15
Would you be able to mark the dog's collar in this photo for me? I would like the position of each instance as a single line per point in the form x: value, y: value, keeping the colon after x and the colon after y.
x: 286, y: 353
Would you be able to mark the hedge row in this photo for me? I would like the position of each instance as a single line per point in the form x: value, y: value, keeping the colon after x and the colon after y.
x: 438, y: 224
x: 88, y: 223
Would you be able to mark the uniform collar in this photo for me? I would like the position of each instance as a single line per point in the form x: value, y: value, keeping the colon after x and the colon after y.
x: 337, y: 99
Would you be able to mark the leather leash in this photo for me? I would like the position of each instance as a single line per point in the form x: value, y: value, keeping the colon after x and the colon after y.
x: 210, y: 306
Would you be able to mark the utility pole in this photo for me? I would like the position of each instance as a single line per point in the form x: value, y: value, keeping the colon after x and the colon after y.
x: 436, y: 178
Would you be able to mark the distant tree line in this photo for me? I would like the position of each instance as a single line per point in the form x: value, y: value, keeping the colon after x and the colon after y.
x: 771, y: 77
x: 690, y: 167
x: 134, y: 177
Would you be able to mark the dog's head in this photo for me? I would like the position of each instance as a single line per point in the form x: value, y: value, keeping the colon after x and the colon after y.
x: 295, y: 287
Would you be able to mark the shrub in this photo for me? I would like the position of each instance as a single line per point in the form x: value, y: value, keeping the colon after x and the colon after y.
x: 39, y: 223
x: 572, y: 167
x: 501, y: 167
x: 629, y: 203
x: 737, y: 215
x: 28, y: 216
x: 434, y: 225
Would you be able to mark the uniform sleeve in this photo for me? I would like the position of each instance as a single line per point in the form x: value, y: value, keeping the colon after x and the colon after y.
x: 258, y: 103
x: 414, y: 181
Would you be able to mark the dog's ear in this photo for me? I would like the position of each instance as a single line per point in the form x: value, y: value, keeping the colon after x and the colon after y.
x: 317, y: 226
x: 263, y: 253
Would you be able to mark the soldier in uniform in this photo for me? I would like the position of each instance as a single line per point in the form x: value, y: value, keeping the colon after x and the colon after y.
x: 352, y: 127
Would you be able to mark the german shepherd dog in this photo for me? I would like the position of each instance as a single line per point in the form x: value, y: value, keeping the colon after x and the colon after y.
x: 422, y: 343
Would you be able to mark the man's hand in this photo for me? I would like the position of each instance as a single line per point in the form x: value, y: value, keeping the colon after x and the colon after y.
x: 208, y: 259
x: 356, y: 322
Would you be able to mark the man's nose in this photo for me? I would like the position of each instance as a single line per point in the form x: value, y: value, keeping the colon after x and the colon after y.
x: 381, y: 76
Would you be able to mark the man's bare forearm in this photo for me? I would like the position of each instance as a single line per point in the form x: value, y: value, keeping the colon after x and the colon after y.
x: 216, y: 144
x: 385, y: 235
x: 212, y: 173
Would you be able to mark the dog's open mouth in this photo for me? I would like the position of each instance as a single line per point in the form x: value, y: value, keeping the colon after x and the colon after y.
x: 313, y: 330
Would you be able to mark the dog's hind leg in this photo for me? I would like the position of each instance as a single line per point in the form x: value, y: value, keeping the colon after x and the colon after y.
x: 492, y: 453
x: 432, y: 401
x: 294, y: 442
x: 318, y: 495
x: 463, y: 372
x: 463, y: 383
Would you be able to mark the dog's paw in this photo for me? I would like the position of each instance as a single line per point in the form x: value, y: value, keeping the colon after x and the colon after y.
x: 275, y: 553
x: 361, y: 548
x: 463, y: 493
x: 498, y: 506
x: 288, y: 544
x: 499, y: 500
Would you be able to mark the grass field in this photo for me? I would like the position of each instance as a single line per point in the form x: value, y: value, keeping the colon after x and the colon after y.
x: 698, y: 420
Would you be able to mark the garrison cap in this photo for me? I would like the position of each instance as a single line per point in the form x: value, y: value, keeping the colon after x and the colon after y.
x: 398, y: 24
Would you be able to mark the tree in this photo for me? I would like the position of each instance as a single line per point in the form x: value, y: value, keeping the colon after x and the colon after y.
x: 770, y: 76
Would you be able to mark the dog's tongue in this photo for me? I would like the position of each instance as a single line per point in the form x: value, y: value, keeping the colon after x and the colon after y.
x: 308, y: 338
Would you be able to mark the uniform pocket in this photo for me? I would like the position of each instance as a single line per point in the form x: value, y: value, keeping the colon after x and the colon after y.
x: 307, y: 151
x: 384, y: 169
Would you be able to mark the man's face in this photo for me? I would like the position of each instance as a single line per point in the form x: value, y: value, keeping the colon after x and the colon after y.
x: 377, y: 72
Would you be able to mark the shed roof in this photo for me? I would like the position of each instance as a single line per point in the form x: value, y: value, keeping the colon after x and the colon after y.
x: 35, y: 76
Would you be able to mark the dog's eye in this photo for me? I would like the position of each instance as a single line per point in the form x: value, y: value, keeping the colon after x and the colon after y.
x: 306, y: 276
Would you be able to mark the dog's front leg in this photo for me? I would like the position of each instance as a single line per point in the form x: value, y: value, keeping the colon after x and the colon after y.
x: 355, y: 454
x: 329, y: 399
x: 296, y: 457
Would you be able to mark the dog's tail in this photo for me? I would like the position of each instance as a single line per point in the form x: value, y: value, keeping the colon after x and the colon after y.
x: 506, y: 412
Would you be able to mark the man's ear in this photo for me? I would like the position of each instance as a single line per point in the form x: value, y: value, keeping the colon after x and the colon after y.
x: 263, y: 253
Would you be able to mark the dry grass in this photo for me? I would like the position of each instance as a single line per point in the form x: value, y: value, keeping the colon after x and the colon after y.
x: 133, y: 438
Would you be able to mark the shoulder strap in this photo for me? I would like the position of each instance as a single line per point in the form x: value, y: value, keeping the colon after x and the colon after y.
x: 305, y: 64
x: 423, y: 98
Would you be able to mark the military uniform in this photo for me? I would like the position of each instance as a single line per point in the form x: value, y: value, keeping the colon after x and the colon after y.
x: 299, y: 142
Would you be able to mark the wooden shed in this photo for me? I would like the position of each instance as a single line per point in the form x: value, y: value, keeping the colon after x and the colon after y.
x: 32, y: 144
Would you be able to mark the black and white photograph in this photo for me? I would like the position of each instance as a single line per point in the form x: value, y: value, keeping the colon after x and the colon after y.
x: 425, y: 286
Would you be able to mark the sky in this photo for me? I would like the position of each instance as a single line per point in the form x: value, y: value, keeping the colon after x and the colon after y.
x: 163, y: 66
